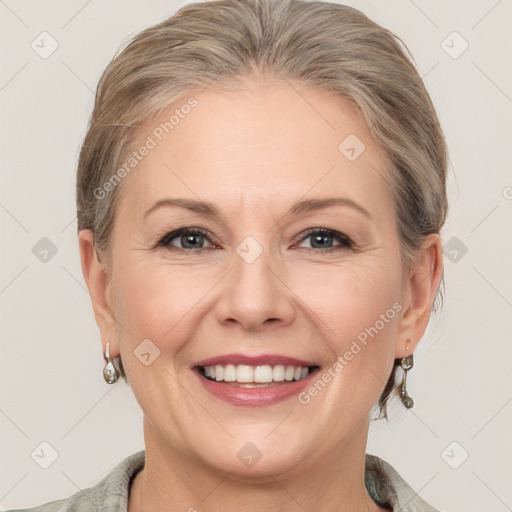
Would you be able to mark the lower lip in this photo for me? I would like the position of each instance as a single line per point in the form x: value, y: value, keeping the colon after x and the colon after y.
x: 255, y: 397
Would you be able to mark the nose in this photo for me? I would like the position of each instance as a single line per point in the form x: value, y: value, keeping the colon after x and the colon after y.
x: 255, y: 295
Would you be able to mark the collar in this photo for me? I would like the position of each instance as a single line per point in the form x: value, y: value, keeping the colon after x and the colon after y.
x: 385, y: 486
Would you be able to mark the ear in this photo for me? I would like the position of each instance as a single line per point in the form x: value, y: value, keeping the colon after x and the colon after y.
x: 98, y: 284
x: 421, y: 282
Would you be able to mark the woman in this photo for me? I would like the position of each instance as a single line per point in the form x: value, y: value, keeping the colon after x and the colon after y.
x: 260, y: 195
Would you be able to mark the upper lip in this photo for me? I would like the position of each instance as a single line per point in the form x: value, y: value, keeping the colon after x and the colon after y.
x: 259, y: 360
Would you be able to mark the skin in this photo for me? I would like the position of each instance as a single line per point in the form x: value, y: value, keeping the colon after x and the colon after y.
x: 255, y: 152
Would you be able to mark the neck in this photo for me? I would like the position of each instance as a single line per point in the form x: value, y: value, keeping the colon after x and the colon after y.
x: 171, y: 478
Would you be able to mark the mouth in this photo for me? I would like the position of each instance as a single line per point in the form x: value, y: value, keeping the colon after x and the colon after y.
x: 254, y: 381
x: 247, y: 376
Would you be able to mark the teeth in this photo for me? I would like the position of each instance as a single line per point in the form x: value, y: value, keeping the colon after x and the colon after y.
x: 230, y: 373
x: 244, y: 373
x: 263, y: 373
x: 278, y: 373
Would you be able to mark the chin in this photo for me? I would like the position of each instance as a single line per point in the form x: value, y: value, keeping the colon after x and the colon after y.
x: 256, y: 458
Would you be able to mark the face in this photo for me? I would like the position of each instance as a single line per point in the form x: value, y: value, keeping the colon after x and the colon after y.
x: 308, y: 297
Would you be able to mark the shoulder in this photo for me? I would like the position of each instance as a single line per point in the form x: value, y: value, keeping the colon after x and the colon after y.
x: 110, y: 494
x: 81, y: 501
x: 389, y: 489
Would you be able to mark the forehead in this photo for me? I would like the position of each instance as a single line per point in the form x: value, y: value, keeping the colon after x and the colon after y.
x: 264, y: 145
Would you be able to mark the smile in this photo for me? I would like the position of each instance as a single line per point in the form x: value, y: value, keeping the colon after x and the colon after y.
x: 254, y: 376
x: 254, y: 381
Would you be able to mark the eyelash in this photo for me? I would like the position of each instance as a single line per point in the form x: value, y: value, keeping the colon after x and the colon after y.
x: 346, y: 242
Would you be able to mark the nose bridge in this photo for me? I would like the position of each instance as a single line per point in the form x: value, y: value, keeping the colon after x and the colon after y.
x: 254, y: 293
x: 252, y: 260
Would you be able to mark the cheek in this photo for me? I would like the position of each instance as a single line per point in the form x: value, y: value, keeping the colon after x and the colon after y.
x: 358, y: 311
x: 155, y: 302
x: 367, y: 307
x: 350, y: 299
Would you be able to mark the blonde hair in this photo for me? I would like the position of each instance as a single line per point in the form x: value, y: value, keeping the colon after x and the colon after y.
x: 319, y: 44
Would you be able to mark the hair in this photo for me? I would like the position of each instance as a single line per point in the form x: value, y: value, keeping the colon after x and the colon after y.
x: 220, y: 43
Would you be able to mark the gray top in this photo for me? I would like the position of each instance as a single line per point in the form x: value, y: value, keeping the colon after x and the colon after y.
x: 384, y: 484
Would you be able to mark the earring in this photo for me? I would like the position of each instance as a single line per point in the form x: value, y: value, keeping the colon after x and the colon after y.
x: 110, y: 372
x: 406, y: 363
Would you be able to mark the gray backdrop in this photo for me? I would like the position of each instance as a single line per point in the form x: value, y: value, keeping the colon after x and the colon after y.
x: 63, y: 428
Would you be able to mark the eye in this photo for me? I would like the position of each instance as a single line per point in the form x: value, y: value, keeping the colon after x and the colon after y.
x: 190, y: 238
x: 322, y: 238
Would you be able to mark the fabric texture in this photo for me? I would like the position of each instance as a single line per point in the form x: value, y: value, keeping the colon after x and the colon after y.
x: 384, y: 484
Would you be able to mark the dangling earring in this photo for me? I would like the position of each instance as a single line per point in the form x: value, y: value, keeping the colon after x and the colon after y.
x: 406, y: 363
x: 110, y: 372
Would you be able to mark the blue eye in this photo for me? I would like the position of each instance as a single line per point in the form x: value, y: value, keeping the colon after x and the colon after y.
x: 322, y: 238
x: 192, y: 240
x: 187, y: 236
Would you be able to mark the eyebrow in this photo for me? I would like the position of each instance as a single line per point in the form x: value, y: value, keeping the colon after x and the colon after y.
x: 209, y: 210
